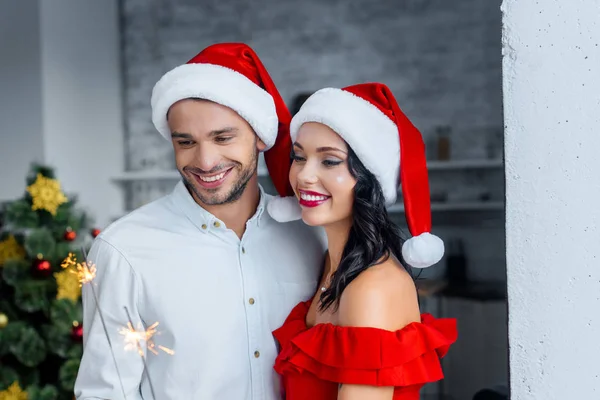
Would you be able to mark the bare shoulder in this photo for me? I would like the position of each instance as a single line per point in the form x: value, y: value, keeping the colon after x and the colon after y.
x: 383, y: 296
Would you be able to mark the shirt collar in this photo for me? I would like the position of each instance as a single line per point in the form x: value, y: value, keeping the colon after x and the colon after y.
x: 204, y: 220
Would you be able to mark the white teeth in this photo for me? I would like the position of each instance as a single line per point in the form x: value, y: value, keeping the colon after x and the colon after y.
x: 309, y: 197
x: 213, y: 178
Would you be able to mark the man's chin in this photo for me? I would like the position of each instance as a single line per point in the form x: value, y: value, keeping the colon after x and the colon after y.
x: 210, y: 197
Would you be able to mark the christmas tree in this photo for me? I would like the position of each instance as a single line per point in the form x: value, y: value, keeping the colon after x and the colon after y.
x: 42, y: 237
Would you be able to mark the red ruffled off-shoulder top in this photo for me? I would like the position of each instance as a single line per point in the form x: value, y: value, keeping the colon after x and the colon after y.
x: 314, y: 361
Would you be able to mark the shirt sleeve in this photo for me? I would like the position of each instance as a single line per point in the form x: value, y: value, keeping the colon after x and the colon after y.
x: 114, y: 288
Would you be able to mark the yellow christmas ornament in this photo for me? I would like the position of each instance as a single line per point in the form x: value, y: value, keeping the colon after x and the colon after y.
x: 10, y: 250
x: 68, y: 285
x: 46, y: 194
x: 3, y: 320
x: 14, y: 392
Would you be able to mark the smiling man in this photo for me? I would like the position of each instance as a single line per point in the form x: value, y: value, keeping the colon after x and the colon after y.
x: 206, y: 261
x: 216, y: 152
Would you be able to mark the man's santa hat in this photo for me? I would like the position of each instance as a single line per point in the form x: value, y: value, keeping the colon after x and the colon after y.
x: 369, y: 119
x: 231, y: 74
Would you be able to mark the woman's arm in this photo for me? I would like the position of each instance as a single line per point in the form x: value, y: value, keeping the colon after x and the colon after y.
x: 384, y: 297
x: 363, y: 392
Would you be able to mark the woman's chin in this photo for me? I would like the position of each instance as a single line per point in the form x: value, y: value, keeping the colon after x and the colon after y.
x: 310, y: 218
x: 313, y: 218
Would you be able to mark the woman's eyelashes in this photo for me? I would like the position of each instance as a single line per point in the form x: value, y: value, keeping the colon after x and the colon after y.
x: 331, y: 163
x: 295, y: 157
x: 328, y: 162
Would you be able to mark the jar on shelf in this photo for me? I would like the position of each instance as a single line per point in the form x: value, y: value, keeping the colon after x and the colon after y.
x: 442, y: 134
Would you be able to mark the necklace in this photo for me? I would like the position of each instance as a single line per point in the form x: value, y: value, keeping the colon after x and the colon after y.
x: 327, y: 282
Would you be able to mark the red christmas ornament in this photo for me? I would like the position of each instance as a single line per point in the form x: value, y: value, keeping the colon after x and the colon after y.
x: 77, y: 332
x: 95, y: 232
x: 42, y: 267
x: 70, y: 235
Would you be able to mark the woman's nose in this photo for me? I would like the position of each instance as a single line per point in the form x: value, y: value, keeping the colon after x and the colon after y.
x: 307, y: 174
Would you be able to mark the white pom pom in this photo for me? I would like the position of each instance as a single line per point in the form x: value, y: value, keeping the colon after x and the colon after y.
x: 284, y: 209
x: 423, y: 251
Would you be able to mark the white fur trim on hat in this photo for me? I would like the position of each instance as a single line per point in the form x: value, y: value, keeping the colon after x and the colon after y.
x: 218, y: 84
x: 423, y: 251
x: 284, y: 209
x: 369, y: 132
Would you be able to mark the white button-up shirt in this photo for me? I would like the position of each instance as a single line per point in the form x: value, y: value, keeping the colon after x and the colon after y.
x: 216, y: 298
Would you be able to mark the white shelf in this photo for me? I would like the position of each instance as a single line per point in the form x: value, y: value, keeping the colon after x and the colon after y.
x: 172, y: 175
x: 157, y: 175
x: 465, y: 164
x: 147, y: 176
x: 457, y: 206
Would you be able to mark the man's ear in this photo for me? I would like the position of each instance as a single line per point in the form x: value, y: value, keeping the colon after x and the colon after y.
x: 260, y: 145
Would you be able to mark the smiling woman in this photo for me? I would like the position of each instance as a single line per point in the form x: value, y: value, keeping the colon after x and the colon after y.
x: 350, y: 148
x: 320, y: 176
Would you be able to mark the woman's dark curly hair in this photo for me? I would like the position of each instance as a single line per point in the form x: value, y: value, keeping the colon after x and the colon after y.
x: 373, y: 236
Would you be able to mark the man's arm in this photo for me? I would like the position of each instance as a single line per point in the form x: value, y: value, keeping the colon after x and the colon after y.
x: 115, y: 286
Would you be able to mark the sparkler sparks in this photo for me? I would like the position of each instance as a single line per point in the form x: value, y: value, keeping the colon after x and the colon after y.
x: 133, y: 337
x: 85, y: 271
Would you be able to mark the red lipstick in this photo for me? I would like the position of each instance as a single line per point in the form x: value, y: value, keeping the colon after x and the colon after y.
x: 312, y: 199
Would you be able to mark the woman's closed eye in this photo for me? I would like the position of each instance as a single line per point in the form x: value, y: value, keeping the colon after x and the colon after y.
x: 296, y: 157
x: 331, y: 163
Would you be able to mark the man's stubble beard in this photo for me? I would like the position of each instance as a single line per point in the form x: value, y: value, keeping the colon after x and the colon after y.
x: 236, y: 191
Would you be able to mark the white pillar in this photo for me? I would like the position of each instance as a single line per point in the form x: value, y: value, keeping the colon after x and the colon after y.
x: 20, y: 94
x: 551, y: 79
x: 82, y: 100
x: 61, y: 98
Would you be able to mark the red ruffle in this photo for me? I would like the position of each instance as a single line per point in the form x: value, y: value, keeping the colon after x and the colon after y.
x: 362, y: 355
x: 293, y: 325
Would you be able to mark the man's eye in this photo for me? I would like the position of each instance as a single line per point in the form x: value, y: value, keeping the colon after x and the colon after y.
x: 222, y: 139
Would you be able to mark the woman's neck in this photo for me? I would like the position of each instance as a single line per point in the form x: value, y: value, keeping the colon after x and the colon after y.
x: 337, y: 237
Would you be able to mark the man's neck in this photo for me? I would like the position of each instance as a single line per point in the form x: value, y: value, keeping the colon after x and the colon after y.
x: 236, y: 214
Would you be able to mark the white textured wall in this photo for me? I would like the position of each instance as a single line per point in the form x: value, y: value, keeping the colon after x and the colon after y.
x: 552, y: 115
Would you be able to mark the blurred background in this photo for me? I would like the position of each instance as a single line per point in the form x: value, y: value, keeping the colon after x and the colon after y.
x: 76, y: 79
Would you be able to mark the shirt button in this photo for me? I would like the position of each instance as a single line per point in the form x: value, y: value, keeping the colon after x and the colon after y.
x: 251, y: 301
x: 217, y: 224
x: 256, y: 354
x: 203, y: 226
x: 243, y: 250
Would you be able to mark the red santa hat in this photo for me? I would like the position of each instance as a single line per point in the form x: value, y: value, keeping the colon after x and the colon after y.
x: 231, y: 74
x: 369, y: 119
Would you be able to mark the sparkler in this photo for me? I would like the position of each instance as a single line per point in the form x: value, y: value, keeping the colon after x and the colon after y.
x: 86, y: 272
x: 133, y: 338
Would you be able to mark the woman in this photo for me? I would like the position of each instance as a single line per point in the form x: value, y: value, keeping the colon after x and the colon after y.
x: 361, y: 336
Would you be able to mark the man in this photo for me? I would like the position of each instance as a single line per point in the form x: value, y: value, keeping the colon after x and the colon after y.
x: 206, y: 262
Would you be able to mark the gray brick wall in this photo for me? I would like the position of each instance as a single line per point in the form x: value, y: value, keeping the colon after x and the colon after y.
x: 441, y: 58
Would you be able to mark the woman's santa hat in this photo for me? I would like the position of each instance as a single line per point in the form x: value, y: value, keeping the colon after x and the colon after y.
x: 231, y: 74
x: 369, y: 119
